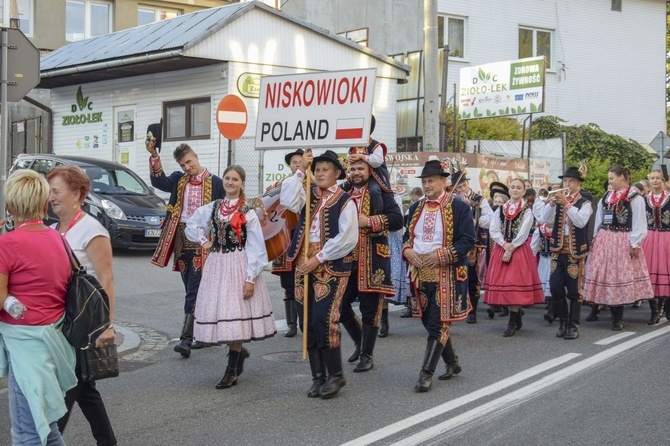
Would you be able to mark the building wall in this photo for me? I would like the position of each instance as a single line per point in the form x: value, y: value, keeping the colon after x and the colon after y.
x: 614, y: 61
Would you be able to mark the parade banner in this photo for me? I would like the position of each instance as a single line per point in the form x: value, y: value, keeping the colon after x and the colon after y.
x: 502, y: 88
x: 326, y: 109
x: 481, y: 170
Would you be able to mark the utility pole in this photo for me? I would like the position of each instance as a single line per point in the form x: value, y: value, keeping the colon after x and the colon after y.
x: 431, y: 106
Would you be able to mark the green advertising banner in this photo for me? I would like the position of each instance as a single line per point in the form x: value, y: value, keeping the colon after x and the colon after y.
x: 502, y: 88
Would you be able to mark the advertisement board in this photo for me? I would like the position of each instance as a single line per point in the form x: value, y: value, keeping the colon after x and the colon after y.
x: 327, y: 109
x: 507, y: 88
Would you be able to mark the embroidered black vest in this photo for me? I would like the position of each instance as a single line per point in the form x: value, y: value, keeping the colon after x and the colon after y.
x: 622, y: 214
x: 330, y: 215
x: 510, y: 228
x: 579, y: 242
x: 658, y: 218
x: 224, y: 238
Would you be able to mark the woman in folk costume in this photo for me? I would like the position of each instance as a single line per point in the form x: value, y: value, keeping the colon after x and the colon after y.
x: 512, y: 278
x: 656, y: 246
x: 616, y: 272
x: 398, y: 271
x: 233, y: 305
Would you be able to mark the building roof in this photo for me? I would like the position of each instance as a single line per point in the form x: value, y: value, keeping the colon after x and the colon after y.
x: 157, y: 47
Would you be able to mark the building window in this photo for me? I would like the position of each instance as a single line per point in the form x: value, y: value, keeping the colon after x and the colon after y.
x: 451, y: 31
x: 616, y: 5
x: 188, y: 119
x: 360, y: 36
x: 19, y: 14
x: 535, y: 43
x: 147, y: 14
x: 87, y: 18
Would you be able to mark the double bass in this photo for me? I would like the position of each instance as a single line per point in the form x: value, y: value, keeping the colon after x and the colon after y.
x: 277, y: 222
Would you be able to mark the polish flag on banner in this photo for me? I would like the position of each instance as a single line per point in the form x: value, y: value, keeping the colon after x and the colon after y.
x: 349, y: 128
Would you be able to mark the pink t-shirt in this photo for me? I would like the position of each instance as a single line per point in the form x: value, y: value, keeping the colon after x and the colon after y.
x: 38, y: 269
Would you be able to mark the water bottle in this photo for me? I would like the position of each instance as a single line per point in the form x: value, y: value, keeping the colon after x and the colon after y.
x: 14, y: 307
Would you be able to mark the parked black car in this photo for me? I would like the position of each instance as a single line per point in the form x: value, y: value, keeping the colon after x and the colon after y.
x: 119, y: 199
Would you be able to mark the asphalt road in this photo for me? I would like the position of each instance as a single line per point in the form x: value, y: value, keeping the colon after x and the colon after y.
x: 528, y: 389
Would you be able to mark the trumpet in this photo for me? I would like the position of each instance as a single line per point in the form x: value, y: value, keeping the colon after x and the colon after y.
x: 546, y: 195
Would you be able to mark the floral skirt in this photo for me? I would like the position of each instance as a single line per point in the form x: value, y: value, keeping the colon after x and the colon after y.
x: 222, y: 315
x: 612, y: 277
x: 398, y: 269
x: 657, y: 254
x: 544, y: 271
x: 513, y: 283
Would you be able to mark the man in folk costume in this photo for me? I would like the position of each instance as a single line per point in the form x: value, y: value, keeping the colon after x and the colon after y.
x: 332, y: 234
x: 190, y: 189
x: 371, y: 278
x: 570, y: 245
x: 481, y: 215
x: 279, y: 265
x: 439, y: 237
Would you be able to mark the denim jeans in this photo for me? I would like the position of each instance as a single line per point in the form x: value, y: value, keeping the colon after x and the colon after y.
x: 24, y: 432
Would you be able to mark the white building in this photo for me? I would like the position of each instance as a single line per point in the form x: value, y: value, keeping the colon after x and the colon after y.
x: 107, y: 90
x: 606, y: 58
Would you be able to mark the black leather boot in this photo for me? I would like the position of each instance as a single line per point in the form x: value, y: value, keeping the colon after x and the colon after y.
x: 407, y: 312
x: 661, y: 308
x: 367, y: 348
x: 430, y: 360
x: 450, y: 358
x: 573, y: 320
x: 550, y: 316
x: 384, y: 328
x: 186, y: 338
x: 655, y: 314
x: 318, y: 367
x: 519, y: 319
x: 335, y: 380
x: 491, y: 312
x: 561, y: 313
x: 244, y: 354
x: 511, y: 325
x: 291, y: 318
x: 353, y: 327
x: 617, y: 318
x: 504, y: 311
x: 230, y: 377
x: 595, y: 312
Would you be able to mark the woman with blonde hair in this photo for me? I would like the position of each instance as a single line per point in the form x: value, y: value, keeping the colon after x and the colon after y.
x: 35, y: 269
x: 89, y: 241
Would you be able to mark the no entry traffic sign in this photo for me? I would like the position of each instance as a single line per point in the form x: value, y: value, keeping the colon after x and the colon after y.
x: 231, y: 117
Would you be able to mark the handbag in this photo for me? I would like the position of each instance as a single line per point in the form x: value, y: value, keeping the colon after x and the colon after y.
x: 86, y: 306
x: 98, y: 363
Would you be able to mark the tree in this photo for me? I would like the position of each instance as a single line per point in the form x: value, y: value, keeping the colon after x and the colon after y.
x: 598, y: 148
x: 500, y: 129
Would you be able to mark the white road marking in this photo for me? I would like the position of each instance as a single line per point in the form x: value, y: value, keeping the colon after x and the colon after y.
x: 458, y: 402
x: 616, y: 337
x: 517, y: 397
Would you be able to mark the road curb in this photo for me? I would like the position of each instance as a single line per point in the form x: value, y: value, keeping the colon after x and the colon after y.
x: 130, y: 341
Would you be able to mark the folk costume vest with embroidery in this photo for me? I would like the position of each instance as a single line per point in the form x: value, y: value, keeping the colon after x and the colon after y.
x: 330, y: 215
x: 223, y: 236
x: 372, y: 252
x: 622, y: 213
x: 482, y: 234
x: 579, y: 242
x: 166, y: 243
x: 510, y: 228
x: 658, y: 217
x: 452, y: 289
x: 381, y: 173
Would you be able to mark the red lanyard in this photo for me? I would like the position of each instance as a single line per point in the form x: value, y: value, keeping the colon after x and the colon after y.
x: 28, y: 223
x: 72, y: 223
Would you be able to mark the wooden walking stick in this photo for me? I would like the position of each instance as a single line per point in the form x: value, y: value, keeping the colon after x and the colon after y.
x: 308, y: 222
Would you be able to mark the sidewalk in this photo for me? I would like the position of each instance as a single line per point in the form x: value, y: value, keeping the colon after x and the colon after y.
x: 127, y: 341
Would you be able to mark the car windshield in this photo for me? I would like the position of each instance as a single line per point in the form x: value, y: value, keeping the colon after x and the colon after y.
x: 115, y: 181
